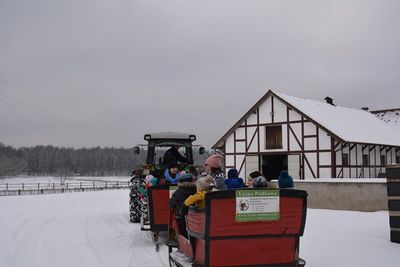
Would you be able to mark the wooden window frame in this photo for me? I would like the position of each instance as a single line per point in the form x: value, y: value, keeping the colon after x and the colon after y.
x: 277, y: 137
x: 383, y: 160
x: 346, y: 162
x: 365, y: 160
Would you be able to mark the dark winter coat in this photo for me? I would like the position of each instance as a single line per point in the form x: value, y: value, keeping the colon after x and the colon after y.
x: 173, y: 155
x: 232, y: 183
x: 285, y: 180
x: 219, y: 179
x: 185, y: 189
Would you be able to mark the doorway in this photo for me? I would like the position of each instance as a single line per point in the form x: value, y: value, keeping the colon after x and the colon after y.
x: 272, y: 165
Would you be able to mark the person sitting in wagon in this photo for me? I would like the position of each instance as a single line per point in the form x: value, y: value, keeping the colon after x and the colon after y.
x: 150, y: 181
x: 171, y: 174
x: 203, y: 186
x: 260, y: 181
x: 233, y: 181
x: 285, y: 180
x: 186, y: 187
x: 173, y: 155
x: 213, y: 168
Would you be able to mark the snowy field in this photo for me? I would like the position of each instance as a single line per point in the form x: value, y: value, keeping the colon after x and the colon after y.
x: 91, y: 229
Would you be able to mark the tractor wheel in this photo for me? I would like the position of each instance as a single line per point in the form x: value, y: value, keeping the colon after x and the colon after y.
x: 137, y: 202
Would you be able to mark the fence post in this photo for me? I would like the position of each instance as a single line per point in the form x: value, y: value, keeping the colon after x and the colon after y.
x: 6, y: 186
x: 67, y: 186
x: 38, y: 186
x: 22, y: 186
x: 19, y: 191
x: 93, y: 184
x: 117, y: 184
x: 41, y: 191
x: 53, y: 186
x: 80, y: 185
x: 106, y: 184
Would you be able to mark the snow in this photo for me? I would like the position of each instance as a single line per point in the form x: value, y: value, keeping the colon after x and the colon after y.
x: 351, y: 125
x: 92, y: 229
x: 391, y: 117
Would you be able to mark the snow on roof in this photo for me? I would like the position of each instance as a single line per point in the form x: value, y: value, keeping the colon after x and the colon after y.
x: 351, y: 125
x: 391, y: 117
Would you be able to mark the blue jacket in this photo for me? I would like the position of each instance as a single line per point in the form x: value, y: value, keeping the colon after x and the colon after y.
x: 285, y: 180
x: 232, y: 183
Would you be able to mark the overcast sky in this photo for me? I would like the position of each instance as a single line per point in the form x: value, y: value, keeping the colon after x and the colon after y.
x: 86, y: 73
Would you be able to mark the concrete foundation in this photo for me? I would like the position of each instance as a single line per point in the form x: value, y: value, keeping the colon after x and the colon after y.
x: 345, y: 194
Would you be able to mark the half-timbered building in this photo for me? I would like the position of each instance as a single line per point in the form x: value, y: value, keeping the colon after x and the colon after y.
x: 309, y: 138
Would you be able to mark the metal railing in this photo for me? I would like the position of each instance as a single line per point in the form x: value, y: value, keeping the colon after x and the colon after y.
x: 45, y: 188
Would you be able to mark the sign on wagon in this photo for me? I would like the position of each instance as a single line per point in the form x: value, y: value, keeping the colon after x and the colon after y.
x: 257, y: 205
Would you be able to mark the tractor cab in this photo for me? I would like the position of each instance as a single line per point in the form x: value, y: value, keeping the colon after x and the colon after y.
x: 159, y: 143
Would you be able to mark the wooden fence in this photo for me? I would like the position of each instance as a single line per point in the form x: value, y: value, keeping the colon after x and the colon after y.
x: 8, y: 189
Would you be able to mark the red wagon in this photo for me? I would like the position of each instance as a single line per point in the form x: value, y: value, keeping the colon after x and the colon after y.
x: 158, y: 211
x: 225, y: 234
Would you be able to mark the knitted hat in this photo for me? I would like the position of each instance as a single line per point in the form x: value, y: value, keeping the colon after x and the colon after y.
x: 172, y: 164
x: 233, y: 173
x: 153, y: 181
x: 214, y: 161
x: 255, y: 174
x: 260, y: 181
x: 148, y: 178
x: 205, y: 183
x: 186, y: 178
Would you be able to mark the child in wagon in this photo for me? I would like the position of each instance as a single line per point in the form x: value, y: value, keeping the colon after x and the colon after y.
x: 203, y: 186
x: 186, y: 187
x: 233, y: 180
x: 150, y: 181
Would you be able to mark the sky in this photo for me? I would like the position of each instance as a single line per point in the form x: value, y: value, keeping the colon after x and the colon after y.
x: 84, y: 73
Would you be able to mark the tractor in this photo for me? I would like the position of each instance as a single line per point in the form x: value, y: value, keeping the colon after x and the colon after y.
x: 156, y: 162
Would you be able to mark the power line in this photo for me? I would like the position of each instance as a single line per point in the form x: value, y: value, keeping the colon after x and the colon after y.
x: 42, y: 113
x: 65, y: 107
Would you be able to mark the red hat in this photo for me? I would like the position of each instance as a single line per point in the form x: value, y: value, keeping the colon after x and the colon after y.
x: 214, y: 161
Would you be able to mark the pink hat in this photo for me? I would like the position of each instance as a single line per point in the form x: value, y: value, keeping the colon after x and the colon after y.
x: 214, y: 161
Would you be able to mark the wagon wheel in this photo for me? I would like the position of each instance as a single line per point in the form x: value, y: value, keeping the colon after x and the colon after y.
x: 172, y: 262
x: 154, y: 236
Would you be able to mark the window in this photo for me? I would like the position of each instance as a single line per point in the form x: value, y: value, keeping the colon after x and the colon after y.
x: 274, y: 137
x: 365, y: 160
x: 345, y: 159
x: 383, y: 160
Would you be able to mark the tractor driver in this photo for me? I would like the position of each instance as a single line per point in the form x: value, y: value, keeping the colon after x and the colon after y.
x: 173, y: 155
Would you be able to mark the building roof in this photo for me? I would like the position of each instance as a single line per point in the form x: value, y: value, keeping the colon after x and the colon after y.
x: 345, y: 124
x: 390, y: 116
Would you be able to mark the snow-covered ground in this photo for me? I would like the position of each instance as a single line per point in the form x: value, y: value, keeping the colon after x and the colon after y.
x: 92, y: 229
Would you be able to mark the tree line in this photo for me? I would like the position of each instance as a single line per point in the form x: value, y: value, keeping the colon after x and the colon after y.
x: 57, y: 161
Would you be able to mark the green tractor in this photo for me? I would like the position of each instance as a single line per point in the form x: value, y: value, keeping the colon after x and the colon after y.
x: 158, y: 156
